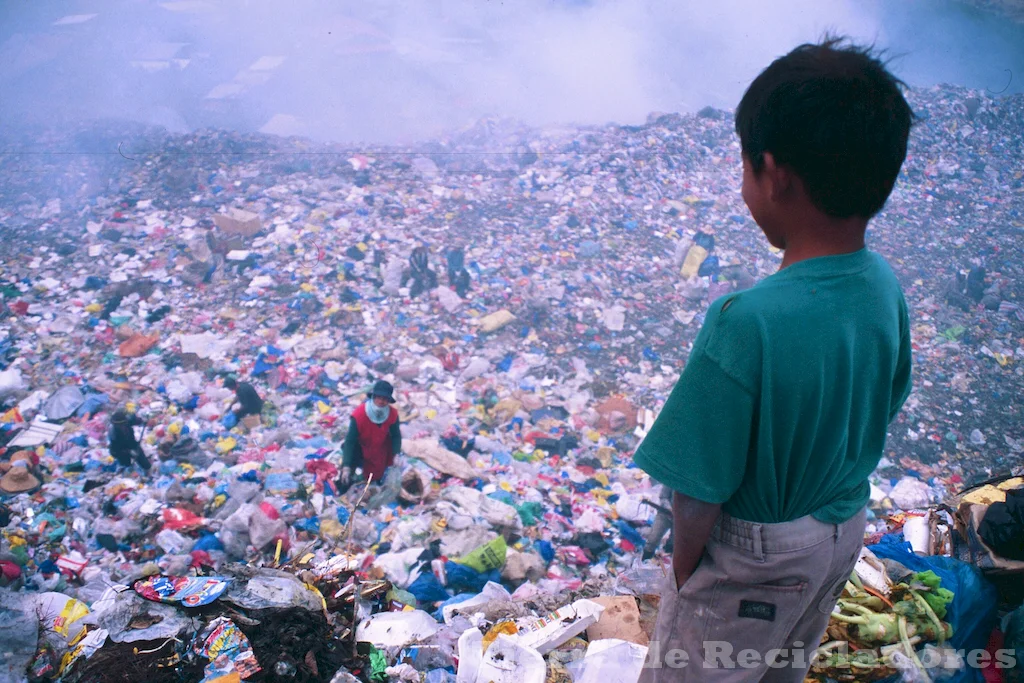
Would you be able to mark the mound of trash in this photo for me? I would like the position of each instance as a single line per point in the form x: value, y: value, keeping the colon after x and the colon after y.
x: 533, y: 309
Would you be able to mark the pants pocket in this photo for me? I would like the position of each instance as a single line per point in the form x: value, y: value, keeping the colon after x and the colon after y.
x: 829, y: 600
x: 755, y: 617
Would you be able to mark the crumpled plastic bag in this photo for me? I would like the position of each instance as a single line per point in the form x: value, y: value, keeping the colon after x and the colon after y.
x: 11, y: 382
x: 119, y: 607
x: 475, y: 503
x: 610, y: 659
x: 389, y: 489
x: 61, y: 619
x: 20, y: 628
x: 439, y: 458
x: 489, y: 556
x: 273, y: 589
x: 398, y: 567
x: 263, y: 529
x: 396, y: 629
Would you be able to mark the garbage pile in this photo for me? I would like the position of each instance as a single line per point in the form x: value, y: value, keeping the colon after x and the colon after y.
x: 531, y: 294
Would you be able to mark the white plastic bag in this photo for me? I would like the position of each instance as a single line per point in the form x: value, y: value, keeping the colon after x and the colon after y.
x: 396, y: 629
x: 612, y: 660
x: 506, y: 661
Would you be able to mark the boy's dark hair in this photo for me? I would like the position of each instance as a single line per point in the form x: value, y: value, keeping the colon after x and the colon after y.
x: 230, y: 383
x: 834, y: 114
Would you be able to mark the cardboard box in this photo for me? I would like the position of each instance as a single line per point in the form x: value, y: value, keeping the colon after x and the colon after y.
x: 620, y: 619
x: 238, y: 222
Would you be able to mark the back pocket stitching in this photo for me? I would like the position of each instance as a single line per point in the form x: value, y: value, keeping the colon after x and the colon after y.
x: 784, y: 627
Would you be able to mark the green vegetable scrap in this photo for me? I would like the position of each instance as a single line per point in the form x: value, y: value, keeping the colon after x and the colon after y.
x: 953, y: 333
x: 936, y: 596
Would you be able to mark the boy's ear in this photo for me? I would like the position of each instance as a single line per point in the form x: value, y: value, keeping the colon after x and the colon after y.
x: 780, y: 179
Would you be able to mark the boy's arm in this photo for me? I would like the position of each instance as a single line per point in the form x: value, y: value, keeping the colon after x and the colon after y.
x: 701, y: 442
x: 902, y: 383
x: 698, y: 519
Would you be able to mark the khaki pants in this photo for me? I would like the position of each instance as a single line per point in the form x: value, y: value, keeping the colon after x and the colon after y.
x: 758, y: 603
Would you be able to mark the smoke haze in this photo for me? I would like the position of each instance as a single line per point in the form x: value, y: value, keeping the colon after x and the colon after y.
x: 402, y: 70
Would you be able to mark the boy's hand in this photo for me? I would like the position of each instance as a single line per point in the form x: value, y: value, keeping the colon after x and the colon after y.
x: 682, y: 575
x: 698, y: 519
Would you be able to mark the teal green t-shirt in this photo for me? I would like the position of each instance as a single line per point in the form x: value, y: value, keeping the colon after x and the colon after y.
x: 782, y: 409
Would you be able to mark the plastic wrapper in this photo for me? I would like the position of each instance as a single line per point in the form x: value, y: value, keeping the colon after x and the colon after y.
x: 396, y: 629
x: 227, y: 648
x: 189, y: 591
x: 551, y: 630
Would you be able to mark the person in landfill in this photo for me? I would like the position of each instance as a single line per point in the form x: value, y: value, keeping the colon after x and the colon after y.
x: 455, y: 259
x: 124, y: 445
x: 661, y: 525
x: 249, y: 401
x: 423, y: 278
x: 769, y: 436
x: 374, y: 436
x: 462, y: 283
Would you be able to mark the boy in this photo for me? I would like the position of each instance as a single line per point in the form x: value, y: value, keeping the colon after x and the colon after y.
x: 780, y: 416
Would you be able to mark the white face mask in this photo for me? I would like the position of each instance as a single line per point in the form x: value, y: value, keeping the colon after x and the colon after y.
x: 377, y: 414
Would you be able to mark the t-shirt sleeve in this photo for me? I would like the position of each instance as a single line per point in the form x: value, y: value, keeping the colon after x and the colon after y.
x: 700, y: 442
x: 396, y: 438
x: 350, y: 447
x: 902, y: 382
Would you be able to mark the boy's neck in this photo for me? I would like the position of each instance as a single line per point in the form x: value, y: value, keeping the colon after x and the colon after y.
x: 825, y: 238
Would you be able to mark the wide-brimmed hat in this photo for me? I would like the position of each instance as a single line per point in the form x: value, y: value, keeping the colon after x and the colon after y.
x: 384, y: 390
x: 18, y: 479
x: 27, y: 457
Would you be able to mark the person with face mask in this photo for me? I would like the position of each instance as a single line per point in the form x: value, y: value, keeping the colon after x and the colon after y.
x: 374, y: 437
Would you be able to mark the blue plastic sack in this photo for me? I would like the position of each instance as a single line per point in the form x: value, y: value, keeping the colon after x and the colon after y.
x: 229, y: 421
x: 972, y: 614
x: 426, y: 588
x: 92, y: 404
x: 261, y: 367
x: 546, y: 551
x: 208, y: 542
x: 710, y: 267
x: 630, y: 534
x: 461, y: 597
x: 309, y: 524
x: 463, y: 578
